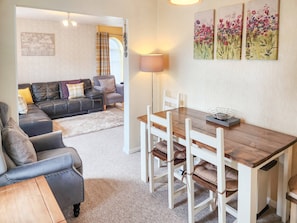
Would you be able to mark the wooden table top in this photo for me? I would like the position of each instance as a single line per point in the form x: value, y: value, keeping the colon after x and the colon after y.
x: 29, y: 201
x: 247, y: 144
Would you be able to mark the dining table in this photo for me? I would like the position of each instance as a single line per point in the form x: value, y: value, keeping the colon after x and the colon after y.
x: 248, y: 148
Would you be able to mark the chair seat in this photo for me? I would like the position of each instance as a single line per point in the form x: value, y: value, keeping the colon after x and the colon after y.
x: 292, y: 194
x: 208, y: 172
x: 178, y: 149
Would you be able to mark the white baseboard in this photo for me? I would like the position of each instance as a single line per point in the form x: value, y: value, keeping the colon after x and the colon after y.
x: 133, y: 150
x: 271, y: 203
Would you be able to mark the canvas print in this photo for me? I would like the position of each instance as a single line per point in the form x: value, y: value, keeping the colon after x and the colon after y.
x: 229, y: 32
x: 37, y: 44
x: 262, y: 30
x: 204, y: 35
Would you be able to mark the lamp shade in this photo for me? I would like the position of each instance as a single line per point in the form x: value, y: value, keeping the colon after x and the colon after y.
x: 183, y: 2
x: 152, y: 63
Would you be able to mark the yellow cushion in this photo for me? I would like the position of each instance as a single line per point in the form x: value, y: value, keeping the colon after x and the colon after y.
x: 26, y: 94
x: 76, y: 90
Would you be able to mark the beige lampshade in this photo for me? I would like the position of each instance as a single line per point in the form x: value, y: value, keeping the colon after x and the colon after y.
x: 183, y: 2
x: 152, y: 63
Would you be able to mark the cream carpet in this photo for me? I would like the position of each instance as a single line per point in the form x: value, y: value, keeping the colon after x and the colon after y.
x: 114, y: 192
x: 82, y: 124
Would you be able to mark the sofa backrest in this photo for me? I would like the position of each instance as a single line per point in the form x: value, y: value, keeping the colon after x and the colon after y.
x: 45, y: 91
x: 42, y: 91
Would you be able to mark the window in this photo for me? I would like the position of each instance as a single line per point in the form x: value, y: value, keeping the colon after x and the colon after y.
x: 116, y: 59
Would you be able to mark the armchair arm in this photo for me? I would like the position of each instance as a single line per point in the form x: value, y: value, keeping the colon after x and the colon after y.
x: 42, y: 167
x: 120, y: 89
x: 52, y: 140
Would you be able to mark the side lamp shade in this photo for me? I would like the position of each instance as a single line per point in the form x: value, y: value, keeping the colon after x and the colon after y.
x: 152, y: 63
x: 183, y: 2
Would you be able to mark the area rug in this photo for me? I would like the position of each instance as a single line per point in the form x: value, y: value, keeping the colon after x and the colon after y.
x: 82, y: 124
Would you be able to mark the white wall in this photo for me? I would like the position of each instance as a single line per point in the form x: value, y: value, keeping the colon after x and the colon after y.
x: 75, y: 52
x: 141, y: 18
x: 262, y: 92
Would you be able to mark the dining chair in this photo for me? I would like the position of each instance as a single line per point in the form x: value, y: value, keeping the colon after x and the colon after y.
x: 292, y: 197
x: 173, y: 153
x: 211, y: 172
x: 170, y: 102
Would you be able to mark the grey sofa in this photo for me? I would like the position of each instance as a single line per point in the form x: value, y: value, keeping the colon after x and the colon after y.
x: 51, y: 101
x: 113, y: 92
x: 23, y: 158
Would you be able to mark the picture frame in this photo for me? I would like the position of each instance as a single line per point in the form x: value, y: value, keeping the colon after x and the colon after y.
x: 229, y: 32
x: 204, y: 35
x: 262, y: 30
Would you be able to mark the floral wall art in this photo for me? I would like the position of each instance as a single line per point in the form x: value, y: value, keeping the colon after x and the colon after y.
x: 229, y: 32
x: 204, y: 35
x: 262, y: 30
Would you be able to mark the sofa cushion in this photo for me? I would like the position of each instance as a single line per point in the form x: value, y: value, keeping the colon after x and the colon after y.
x: 17, y: 144
x: 26, y: 94
x: 75, y: 90
x: 64, y: 89
x: 45, y: 91
x: 22, y: 105
x: 35, y: 122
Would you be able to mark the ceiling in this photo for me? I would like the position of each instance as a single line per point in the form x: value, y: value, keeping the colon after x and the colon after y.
x: 49, y: 15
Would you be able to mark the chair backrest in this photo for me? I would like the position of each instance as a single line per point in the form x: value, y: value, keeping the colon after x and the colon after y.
x: 170, y: 102
x: 97, y: 79
x: 161, y: 128
x: 215, y: 157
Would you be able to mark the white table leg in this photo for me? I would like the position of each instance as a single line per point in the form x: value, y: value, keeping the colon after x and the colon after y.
x: 247, y: 194
x: 143, y: 152
x: 284, y: 174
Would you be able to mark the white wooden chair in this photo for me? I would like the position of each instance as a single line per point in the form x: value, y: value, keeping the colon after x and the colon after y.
x: 292, y: 197
x: 166, y: 150
x: 210, y: 172
x: 170, y: 102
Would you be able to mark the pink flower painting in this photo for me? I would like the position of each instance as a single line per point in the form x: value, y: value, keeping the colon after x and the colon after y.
x: 229, y: 32
x: 262, y: 30
x: 204, y: 35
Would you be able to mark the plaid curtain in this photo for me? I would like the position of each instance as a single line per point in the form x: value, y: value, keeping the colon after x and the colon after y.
x: 102, y: 53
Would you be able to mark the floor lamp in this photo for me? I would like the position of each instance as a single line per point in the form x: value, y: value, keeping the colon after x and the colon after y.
x: 152, y: 63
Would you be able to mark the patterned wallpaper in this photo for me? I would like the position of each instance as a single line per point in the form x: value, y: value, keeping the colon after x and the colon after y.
x: 75, y: 53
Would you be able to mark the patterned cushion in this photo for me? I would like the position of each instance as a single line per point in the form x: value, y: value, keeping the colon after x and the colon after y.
x: 3, y: 166
x: 64, y: 89
x: 17, y: 144
x: 22, y: 105
x: 179, y: 150
x: 26, y: 94
x: 108, y: 85
x: 76, y: 90
x: 208, y: 172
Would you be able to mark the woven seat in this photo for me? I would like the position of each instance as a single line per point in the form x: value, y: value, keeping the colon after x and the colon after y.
x: 292, y: 197
x: 166, y: 150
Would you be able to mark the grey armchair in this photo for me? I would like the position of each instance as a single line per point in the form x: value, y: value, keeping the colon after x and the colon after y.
x: 113, y: 92
x: 61, y: 165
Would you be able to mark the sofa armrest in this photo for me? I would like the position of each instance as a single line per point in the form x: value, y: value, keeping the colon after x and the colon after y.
x: 43, y: 167
x: 52, y: 140
x: 93, y: 93
x: 120, y: 89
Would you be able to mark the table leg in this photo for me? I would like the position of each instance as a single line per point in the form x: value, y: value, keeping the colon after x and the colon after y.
x: 247, y: 194
x: 143, y: 152
x: 284, y: 174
